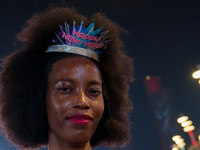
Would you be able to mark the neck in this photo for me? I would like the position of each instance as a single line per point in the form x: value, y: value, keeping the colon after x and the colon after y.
x: 58, y: 144
x: 69, y: 148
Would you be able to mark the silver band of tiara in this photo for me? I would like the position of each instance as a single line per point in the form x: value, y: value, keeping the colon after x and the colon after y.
x: 74, y: 50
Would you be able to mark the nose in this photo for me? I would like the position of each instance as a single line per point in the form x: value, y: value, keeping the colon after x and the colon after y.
x: 81, y: 102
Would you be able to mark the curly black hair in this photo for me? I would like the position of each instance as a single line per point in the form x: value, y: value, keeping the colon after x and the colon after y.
x: 24, y: 76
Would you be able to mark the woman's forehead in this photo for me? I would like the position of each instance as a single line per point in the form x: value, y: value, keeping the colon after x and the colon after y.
x: 75, y: 68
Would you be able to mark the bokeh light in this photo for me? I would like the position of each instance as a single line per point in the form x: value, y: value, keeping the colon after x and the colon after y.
x: 188, y: 129
x: 176, y: 137
x: 186, y: 123
x: 196, y: 74
x: 182, y: 119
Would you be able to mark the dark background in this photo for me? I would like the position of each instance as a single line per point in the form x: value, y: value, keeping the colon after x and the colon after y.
x: 164, y: 39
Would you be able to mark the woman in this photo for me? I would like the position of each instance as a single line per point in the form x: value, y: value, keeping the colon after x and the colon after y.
x: 58, y: 90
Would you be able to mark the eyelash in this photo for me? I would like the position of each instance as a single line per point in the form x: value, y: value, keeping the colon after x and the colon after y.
x: 95, y: 91
x: 64, y: 89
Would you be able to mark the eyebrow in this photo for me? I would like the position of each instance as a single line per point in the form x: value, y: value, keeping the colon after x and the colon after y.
x: 73, y: 81
x: 95, y: 82
x: 67, y: 79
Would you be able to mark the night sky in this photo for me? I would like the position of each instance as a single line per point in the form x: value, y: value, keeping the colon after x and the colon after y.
x: 164, y: 40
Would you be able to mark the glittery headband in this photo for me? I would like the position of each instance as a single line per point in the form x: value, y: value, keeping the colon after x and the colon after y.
x: 79, y: 40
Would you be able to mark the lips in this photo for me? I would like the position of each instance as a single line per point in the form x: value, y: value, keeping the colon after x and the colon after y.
x: 80, y: 119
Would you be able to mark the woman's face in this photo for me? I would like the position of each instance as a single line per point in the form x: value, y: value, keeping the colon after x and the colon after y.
x: 74, y: 101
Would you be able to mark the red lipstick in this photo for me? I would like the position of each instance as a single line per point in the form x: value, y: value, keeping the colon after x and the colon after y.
x: 80, y: 119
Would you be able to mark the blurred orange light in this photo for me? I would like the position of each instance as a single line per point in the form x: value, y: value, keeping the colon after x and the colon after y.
x: 147, y: 77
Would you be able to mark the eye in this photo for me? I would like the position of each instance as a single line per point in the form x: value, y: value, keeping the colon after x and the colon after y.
x: 95, y: 92
x: 65, y: 90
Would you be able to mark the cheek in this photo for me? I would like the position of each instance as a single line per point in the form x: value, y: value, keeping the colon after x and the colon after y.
x: 57, y: 104
x: 102, y: 108
x: 99, y: 108
x: 52, y: 106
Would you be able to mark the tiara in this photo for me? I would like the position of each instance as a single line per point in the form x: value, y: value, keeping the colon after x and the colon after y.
x: 80, y: 40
